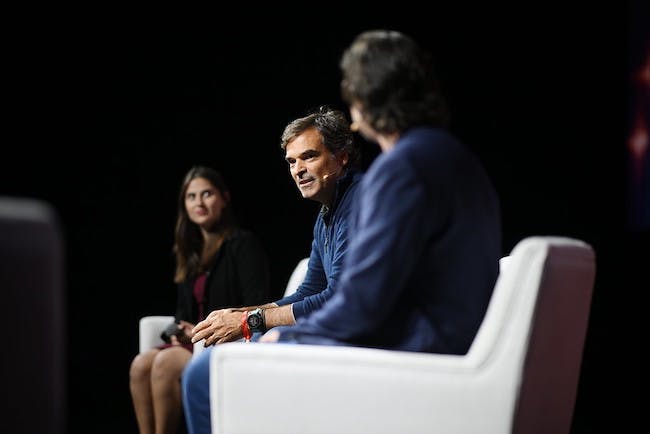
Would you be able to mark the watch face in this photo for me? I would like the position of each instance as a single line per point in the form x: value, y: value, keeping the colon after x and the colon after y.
x: 254, y: 321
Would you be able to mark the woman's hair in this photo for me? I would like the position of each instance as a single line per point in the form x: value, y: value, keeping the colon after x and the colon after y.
x: 333, y: 127
x: 392, y: 79
x: 188, y: 241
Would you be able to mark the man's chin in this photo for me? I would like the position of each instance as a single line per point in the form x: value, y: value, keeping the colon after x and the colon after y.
x: 306, y: 193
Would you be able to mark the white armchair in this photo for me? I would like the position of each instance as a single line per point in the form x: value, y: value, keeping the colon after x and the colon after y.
x: 151, y: 327
x: 297, y: 276
x: 519, y: 376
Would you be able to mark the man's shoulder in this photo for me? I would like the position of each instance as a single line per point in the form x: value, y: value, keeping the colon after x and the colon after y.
x: 427, y: 141
x: 422, y: 149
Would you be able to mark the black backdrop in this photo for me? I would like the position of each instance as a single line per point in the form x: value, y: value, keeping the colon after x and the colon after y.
x: 106, y: 113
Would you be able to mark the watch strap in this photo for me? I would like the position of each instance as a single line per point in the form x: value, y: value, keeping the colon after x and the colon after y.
x: 246, y: 332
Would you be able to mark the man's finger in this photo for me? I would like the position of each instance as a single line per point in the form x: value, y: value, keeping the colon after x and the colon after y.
x: 200, y: 326
x: 199, y: 335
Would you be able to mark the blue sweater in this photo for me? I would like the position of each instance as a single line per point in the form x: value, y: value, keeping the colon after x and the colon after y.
x: 423, y: 252
x: 328, y: 250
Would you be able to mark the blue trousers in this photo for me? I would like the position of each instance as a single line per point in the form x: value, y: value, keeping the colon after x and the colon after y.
x: 195, y: 382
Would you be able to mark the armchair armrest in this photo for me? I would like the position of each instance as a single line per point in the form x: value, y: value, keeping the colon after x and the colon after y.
x: 150, y: 329
x: 353, y: 390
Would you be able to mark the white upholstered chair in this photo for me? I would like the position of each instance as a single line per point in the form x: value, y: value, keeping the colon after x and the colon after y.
x: 297, y: 276
x: 519, y: 376
x: 151, y: 327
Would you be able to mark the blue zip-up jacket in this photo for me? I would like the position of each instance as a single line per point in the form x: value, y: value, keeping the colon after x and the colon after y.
x: 423, y: 252
x: 328, y: 250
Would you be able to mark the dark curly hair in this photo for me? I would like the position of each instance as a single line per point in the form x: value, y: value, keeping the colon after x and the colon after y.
x: 392, y: 79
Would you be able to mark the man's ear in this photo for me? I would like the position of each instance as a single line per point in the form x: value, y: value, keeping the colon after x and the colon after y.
x: 343, y: 158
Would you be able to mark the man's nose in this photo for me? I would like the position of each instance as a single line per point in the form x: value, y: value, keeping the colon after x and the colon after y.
x: 298, y: 169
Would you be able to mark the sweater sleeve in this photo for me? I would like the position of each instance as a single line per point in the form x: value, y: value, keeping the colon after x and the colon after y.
x: 324, y: 269
x: 316, y: 301
x: 314, y: 282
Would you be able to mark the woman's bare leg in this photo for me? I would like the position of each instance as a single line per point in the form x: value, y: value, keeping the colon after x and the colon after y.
x: 166, y: 388
x: 140, y: 386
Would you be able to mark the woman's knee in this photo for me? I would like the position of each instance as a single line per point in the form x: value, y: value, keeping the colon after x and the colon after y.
x: 169, y: 363
x: 141, y: 365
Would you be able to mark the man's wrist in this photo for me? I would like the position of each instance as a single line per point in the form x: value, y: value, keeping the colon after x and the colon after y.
x: 256, y: 320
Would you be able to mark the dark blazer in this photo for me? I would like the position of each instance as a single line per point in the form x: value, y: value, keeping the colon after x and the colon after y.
x: 238, y: 277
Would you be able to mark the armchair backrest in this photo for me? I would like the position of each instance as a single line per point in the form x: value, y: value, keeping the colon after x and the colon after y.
x: 297, y: 276
x: 532, y: 337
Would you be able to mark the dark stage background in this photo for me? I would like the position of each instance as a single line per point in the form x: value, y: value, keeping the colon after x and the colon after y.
x: 107, y: 112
